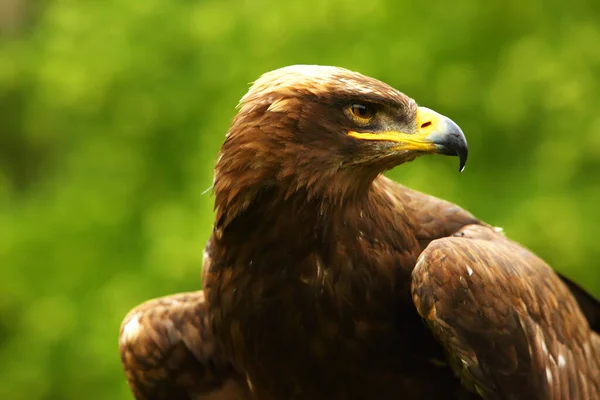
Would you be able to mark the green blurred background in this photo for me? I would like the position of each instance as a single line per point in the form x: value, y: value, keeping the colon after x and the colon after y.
x: 112, y: 112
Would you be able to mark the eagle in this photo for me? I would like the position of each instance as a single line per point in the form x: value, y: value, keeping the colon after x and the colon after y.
x: 323, y: 279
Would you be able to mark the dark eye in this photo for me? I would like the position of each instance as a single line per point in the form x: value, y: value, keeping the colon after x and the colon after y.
x: 362, y: 113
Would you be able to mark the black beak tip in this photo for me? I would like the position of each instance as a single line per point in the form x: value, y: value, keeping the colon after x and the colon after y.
x: 462, y: 156
x: 454, y: 143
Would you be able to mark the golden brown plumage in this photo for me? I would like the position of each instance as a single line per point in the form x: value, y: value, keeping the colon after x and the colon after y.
x: 168, y: 351
x: 511, y: 327
x: 310, y: 282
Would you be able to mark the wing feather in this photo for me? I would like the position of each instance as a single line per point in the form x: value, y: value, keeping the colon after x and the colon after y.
x: 168, y: 352
x: 589, y: 305
x: 511, y: 328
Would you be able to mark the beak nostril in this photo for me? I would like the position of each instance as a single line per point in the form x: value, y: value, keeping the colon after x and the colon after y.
x: 425, y: 124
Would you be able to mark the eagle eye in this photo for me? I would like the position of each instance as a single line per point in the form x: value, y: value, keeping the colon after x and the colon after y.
x: 362, y: 113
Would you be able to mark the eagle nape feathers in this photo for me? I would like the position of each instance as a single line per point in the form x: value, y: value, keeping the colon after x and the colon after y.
x: 323, y: 279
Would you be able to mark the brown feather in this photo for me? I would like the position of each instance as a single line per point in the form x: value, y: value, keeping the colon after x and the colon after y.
x: 312, y: 251
x: 307, y: 275
x: 511, y: 327
x: 168, y: 352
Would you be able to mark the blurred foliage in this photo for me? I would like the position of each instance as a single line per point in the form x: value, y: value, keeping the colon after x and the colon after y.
x: 112, y: 112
